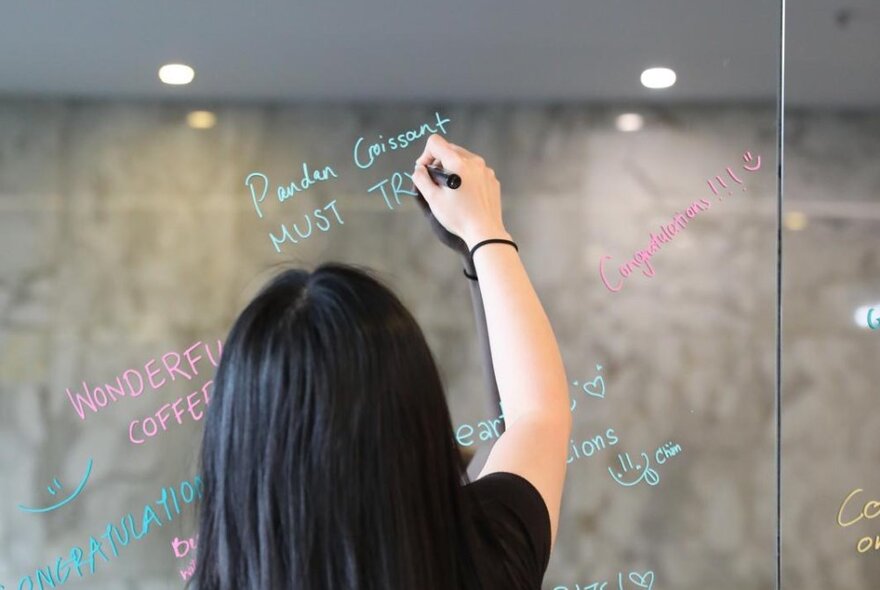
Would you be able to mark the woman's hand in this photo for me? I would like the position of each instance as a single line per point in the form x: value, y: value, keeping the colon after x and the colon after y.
x: 472, y: 211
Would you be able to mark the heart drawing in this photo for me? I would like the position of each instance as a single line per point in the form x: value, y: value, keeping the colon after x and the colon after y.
x: 645, y: 580
x: 596, y: 387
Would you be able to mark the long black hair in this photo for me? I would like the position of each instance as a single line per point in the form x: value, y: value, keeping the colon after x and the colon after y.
x: 328, y: 455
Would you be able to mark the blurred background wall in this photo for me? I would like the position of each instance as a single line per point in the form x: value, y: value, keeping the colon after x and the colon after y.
x: 127, y: 234
x: 127, y: 231
x: 831, y: 433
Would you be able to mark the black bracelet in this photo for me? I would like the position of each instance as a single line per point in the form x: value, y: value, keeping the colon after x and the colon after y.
x: 492, y: 241
x: 483, y: 243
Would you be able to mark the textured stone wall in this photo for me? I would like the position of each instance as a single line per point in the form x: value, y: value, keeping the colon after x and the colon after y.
x: 125, y: 235
x: 831, y: 417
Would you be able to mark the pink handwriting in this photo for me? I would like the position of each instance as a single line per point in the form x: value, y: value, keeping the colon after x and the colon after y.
x: 667, y: 232
x: 188, y: 545
x: 747, y: 158
x: 131, y: 382
x: 641, y: 257
x: 148, y: 426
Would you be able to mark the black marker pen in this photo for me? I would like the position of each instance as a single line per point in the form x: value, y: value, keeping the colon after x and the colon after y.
x: 441, y: 176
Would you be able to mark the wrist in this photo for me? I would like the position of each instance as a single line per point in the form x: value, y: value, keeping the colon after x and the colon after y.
x: 477, y: 236
x: 507, y: 243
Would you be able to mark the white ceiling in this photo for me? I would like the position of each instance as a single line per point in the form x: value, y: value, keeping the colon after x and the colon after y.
x: 511, y: 50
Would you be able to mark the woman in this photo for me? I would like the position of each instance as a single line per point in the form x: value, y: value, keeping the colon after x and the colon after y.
x: 328, y: 457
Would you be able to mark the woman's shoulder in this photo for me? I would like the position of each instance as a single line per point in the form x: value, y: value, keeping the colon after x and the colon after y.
x: 504, y: 484
x: 512, y: 515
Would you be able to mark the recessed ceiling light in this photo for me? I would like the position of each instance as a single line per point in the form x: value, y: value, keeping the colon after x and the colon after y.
x: 176, y: 74
x: 658, y: 78
x: 795, y: 220
x: 630, y: 122
x: 201, y: 119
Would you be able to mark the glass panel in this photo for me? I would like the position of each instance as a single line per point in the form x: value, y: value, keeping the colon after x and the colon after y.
x: 831, y: 296
x: 138, y: 218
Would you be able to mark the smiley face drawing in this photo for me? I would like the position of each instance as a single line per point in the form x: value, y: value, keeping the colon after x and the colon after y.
x: 76, y: 492
x: 644, y: 472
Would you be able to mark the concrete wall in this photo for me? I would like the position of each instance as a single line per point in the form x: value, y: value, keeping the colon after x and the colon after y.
x: 125, y: 235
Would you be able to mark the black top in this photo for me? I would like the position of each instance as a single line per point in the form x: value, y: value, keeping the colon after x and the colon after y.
x: 513, y: 531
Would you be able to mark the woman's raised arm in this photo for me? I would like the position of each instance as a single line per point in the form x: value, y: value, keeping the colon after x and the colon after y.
x: 525, y: 355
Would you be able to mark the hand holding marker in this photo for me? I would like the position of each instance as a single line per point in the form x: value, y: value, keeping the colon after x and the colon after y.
x: 451, y: 180
x: 441, y: 176
x: 472, y: 212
